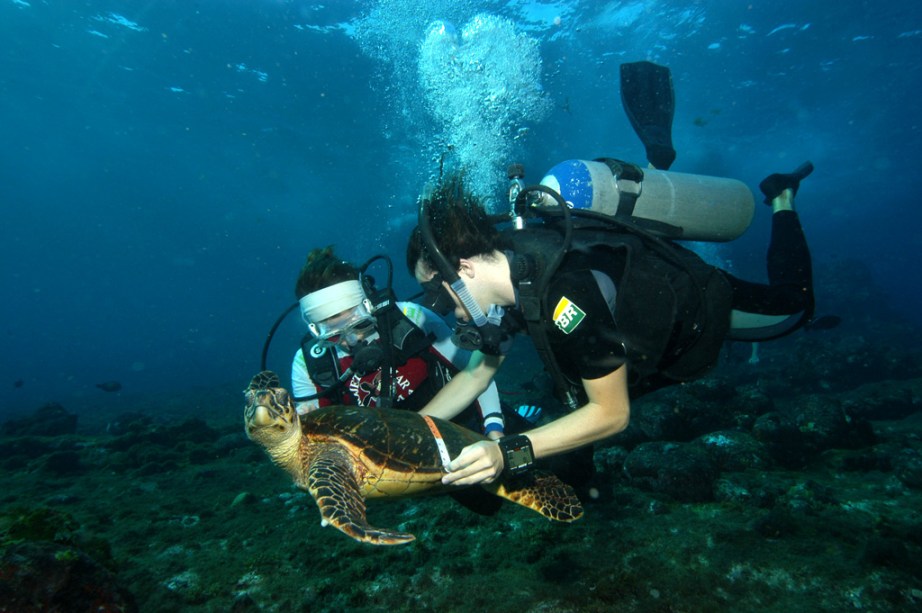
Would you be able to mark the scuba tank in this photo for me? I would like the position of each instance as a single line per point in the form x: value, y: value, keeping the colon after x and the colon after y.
x: 669, y: 204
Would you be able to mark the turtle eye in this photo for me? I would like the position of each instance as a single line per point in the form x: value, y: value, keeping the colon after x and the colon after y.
x: 281, y: 396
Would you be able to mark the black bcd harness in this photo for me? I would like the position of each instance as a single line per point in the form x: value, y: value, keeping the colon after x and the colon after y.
x: 672, y: 308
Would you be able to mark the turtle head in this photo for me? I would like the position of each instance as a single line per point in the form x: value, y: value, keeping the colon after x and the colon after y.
x: 270, y: 417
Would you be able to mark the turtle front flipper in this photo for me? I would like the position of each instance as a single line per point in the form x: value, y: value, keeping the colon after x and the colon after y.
x: 543, y: 492
x: 331, y: 481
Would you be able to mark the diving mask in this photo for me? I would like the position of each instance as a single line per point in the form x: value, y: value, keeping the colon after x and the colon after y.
x: 436, y: 296
x: 339, y: 313
x: 349, y: 327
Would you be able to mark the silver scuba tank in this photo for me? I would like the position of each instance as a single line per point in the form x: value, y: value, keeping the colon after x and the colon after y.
x: 702, y: 208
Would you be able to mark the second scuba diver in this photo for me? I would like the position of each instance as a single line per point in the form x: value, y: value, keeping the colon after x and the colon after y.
x: 387, y: 355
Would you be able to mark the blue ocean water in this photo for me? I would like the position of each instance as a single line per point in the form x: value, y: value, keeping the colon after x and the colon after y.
x: 166, y: 165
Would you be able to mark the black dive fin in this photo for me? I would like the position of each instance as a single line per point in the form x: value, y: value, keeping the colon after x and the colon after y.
x: 649, y: 101
x: 773, y: 185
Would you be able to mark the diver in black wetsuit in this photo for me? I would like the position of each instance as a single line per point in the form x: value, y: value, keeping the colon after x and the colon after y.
x: 621, y: 317
x: 614, y: 311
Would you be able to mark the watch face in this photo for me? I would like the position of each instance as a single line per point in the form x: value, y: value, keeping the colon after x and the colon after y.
x: 518, y: 457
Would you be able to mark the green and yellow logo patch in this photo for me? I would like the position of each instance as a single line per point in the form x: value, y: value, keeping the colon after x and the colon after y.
x: 567, y: 315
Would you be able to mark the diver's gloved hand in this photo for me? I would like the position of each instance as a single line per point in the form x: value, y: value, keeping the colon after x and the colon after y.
x: 529, y: 413
x: 773, y: 185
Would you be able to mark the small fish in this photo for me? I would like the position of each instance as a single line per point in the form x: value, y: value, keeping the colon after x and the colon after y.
x: 826, y: 322
x: 18, y: 383
x: 109, y: 386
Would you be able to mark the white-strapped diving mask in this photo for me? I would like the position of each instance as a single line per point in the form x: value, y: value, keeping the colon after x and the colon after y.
x: 339, y: 314
x: 350, y: 327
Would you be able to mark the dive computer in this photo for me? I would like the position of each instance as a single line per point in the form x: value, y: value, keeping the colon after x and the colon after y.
x: 518, y: 455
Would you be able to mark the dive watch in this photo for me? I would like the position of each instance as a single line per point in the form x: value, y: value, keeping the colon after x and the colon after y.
x: 518, y: 455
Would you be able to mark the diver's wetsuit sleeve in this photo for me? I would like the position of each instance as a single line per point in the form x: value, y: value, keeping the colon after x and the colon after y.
x: 301, y: 384
x: 432, y: 324
x: 488, y: 404
x: 581, y: 328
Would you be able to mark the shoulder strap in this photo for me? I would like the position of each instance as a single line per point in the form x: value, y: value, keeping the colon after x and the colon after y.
x: 322, y: 367
x: 532, y: 274
x: 401, y: 340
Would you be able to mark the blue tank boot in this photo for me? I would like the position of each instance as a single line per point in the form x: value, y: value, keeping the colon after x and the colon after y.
x: 529, y: 413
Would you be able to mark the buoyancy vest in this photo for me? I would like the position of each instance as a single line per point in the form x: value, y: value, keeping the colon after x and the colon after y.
x: 672, y: 309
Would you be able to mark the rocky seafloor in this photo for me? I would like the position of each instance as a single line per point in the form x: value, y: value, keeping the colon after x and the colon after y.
x: 794, y: 483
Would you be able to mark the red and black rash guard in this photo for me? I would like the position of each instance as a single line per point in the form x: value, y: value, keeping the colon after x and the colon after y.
x: 410, y: 380
x: 420, y: 376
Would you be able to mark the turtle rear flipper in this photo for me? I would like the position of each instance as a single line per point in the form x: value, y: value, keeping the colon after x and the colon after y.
x: 373, y: 536
x: 543, y: 492
x: 331, y: 481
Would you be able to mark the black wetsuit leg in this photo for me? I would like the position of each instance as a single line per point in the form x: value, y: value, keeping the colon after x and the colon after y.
x: 763, y: 312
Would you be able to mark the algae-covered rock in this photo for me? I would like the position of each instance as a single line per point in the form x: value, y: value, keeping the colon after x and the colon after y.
x: 45, y: 576
x: 682, y: 471
x: 49, y: 420
x: 734, y: 450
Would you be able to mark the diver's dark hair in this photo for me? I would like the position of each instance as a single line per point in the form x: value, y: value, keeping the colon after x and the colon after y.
x: 460, y: 225
x: 323, y: 269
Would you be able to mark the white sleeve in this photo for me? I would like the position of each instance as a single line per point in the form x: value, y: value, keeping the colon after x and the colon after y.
x: 301, y: 384
x: 435, y: 325
x: 490, y: 410
x: 489, y: 406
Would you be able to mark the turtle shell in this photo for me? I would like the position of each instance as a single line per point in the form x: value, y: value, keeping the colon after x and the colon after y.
x: 392, y: 440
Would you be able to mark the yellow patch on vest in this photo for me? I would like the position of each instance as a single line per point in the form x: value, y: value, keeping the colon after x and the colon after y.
x: 567, y: 316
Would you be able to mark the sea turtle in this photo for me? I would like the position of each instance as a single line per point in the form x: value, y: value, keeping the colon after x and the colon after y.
x: 343, y: 455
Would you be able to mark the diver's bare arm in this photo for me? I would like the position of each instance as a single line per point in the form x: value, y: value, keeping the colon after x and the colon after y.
x: 607, y: 413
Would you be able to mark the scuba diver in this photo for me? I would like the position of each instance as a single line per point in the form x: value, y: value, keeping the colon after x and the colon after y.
x: 364, y: 348
x: 614, y: 307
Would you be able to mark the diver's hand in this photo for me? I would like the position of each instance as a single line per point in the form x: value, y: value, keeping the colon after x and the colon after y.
x: 481, y: 462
